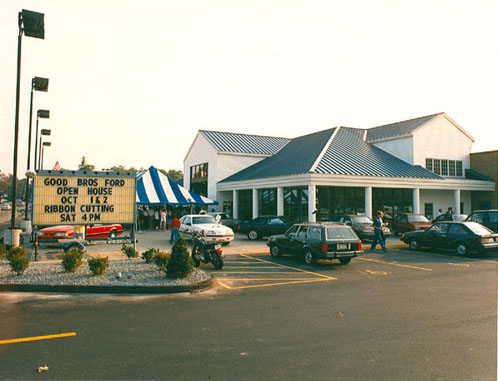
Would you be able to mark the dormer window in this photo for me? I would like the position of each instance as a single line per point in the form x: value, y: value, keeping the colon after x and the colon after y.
x: 445, y: 167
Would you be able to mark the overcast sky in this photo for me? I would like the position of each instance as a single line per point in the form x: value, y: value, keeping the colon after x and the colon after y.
x: 131, y: 82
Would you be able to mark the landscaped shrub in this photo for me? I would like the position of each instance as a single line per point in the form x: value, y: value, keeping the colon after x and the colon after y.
x: 98, y: 265
x: 148, y: 254
x: 18, y: 259
x: 161, y: 260
x: 129, y: 251
x: 180, y: 264
x: 3, y: 249
x: 72, y: 260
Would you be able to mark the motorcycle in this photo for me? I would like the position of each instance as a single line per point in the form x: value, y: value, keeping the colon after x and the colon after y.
x: 205, y: 252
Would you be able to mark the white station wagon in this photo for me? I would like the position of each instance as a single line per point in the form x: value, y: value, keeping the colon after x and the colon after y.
x: 214, y: 231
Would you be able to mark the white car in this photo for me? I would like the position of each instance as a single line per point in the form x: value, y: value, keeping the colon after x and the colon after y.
x: 5, y: 206
x: 214, y: 231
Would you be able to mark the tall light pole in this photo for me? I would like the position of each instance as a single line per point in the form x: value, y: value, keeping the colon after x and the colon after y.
x: 43, y: 132
x: 45, y: 144
x: 45, y: 114
x: 32, y: 25
x: 38, y: 84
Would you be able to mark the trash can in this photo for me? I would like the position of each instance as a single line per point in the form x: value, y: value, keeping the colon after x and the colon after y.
x: 11, y: 237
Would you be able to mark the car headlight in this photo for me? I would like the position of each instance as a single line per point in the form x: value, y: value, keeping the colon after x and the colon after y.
x: 40, y: 234
x: 211, y: 232
x: 59, y: 234
x: 367, y: 230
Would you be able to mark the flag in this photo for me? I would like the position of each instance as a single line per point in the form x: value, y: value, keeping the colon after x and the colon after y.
x: 57, y: 167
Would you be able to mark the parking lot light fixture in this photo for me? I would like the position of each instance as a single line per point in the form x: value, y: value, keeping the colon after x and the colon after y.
x: 38, y: 84
x: 32, y: 25
x: 45, y: 144
x: 44, y: 132
x: 45, y: 114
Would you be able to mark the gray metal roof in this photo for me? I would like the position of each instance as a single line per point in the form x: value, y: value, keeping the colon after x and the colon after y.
x: 243, y: 143
x: 348, y: 154
x: 295, y: 158
x: 398, y: 129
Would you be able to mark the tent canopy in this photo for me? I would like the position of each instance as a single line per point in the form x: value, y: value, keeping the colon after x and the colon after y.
x: 155, y: 188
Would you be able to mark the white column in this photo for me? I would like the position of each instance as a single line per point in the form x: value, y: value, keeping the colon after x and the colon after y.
x: 368, y: 201
x: 235, y: 198
x: 416, y: 200
x: 280, y: 201
x: 254, y: 203
x: 456, y: 201
x: 311, y: 203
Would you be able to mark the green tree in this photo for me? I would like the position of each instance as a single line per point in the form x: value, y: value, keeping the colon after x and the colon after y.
x: 84, y: 166
x: 173, y: 174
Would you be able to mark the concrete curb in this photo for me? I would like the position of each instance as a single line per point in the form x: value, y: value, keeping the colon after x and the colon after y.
x: 110, y: 289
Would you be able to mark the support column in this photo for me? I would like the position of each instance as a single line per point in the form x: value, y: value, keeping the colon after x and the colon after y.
x: 456, y: 201
x: 254, y: 203
x: 416, y: 200
x: 235, y: 198
x: 368, y: 201
x: 311, y: 203
x: 280, y: 201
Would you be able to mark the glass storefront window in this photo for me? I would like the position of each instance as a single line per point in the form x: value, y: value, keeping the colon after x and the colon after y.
x: 296, y: 204
x: 335, y: 202
x: 267, y: 202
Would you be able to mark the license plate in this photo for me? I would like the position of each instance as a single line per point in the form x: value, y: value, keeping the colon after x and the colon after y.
x: 342, y: 246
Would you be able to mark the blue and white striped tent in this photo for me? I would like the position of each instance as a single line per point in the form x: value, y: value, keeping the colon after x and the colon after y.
x: 154, y: 188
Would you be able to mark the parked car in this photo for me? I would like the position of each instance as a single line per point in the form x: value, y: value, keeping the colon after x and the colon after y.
x: 462, y: 237
x: 488, y: 218
x: 211, y: 230
x: 450, y: 217
x: 5, y: 206
x: 226, y: 219
x: 93, y: 231
x: 405, y: 222
x: 312, y: 241
x: 264, y: 226
x: 363, y: 226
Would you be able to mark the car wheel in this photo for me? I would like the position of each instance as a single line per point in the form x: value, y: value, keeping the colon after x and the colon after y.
x: 113, y: 234
x: 462, y: 249
x: 414, y: 245
x: 252, y: 235
x: 345, y: 261
x: 308, y: 258
x: 275, y: 251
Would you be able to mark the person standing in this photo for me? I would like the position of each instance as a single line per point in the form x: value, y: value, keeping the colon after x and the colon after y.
x: 175, y: 226
x: 378, y: 232
x: 439, y: 212
x: 163, y: 224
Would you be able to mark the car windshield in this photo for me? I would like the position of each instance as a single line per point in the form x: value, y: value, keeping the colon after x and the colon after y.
x: 361, y: 220
x: 493, y: 217
x: 204, y: 220
x: 478, y: 229
x: 417, y: 218
x: 340, y: 233
x: 459, y: 217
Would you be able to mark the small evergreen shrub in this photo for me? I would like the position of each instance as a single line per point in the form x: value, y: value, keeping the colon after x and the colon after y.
x: 98, y: 265
x: 149, y: 254
x: 72, y: 260
x: 161, y: 260
x: 129, y: 251
x: 18, y: 259
x: 180, y: 264
x: 3, y: 249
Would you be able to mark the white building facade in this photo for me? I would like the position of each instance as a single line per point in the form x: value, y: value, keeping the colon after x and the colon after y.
x: 419, y: 166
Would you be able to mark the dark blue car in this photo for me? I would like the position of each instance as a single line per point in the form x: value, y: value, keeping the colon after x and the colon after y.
x: 464, y: 237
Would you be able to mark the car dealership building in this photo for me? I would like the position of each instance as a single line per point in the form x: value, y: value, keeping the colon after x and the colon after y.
x: 419, y: 165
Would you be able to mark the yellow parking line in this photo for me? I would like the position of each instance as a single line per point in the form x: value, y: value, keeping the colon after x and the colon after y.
x: 394, y: 264
x: 293, y: 268
x: 260, y: 279
x: 25, y: 339
x: 249, y: 267
x: 276, y: 284
x: 254, y: 272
